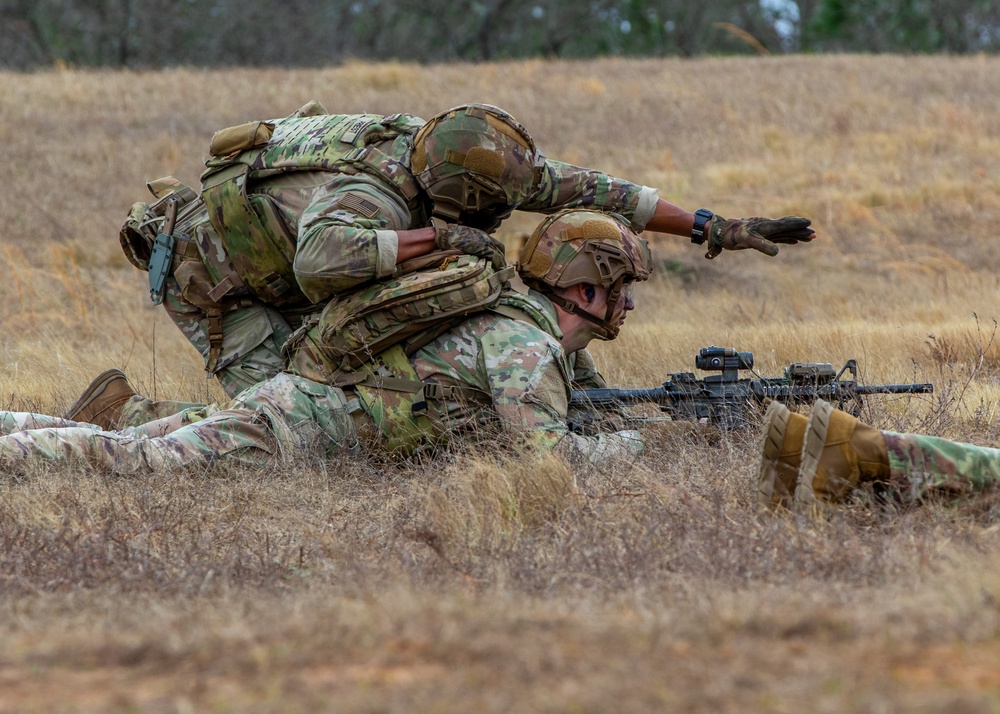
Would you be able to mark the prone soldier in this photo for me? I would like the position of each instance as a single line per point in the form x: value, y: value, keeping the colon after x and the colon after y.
x: 509, y: 367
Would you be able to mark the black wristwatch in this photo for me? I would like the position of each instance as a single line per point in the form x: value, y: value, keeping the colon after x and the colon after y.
x: 701, y: 218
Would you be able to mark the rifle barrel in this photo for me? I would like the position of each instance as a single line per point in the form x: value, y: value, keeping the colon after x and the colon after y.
x: 922, y: 388
x: 835, y: 390
x: 611, y: 397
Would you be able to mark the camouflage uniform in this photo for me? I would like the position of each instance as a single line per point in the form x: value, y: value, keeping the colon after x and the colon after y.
x: 921, y: 465
x: 518, y: 366
x: 825, y: 457
x: 342, y: 223
x: 284, y: 413
x: 527, y: 376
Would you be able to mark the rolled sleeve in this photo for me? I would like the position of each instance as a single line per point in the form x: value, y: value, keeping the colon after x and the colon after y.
x: 388, y: 252
x: 645, y: 208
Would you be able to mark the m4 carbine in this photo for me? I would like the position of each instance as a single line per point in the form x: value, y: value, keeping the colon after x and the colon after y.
x: 726, y: 400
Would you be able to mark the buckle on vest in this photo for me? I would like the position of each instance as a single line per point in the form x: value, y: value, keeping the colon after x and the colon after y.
x: 161, y: 257
x: 276, y: 285
x: 419, y: 406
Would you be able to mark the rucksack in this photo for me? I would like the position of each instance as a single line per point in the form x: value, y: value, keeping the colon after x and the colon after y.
x: 362, y: 340
x: 432, y: 294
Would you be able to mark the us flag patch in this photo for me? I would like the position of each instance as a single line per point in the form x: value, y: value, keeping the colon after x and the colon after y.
x: 359, y: 204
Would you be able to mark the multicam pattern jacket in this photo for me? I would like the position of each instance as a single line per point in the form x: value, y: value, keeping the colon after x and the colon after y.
x: 339, y: 248
x: 527, y: 375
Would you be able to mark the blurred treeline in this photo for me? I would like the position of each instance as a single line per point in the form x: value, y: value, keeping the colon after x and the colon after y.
x: 159, y: 33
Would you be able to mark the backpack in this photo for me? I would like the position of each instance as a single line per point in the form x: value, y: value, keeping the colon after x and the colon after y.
x: 432, y: 294
x: 362, y: 339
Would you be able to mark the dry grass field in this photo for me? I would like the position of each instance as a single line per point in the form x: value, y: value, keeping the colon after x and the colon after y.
x: 478, y: 584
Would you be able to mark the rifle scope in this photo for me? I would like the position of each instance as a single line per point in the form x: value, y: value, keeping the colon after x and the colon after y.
x: 722, y: 359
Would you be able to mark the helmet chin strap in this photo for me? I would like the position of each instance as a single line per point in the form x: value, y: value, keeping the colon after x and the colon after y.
x: 606, y: 329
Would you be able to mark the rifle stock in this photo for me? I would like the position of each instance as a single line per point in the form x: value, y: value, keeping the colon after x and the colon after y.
x: 728, y: 400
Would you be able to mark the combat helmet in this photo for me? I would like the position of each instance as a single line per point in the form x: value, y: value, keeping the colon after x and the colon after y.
x: 477, y: 164
x: 578, y: 246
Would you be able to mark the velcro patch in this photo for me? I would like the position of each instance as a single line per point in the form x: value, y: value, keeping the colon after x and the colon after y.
x: 484, y: 161
x: 356, y: 202
x: 354, y: 130
x: 603, y: 229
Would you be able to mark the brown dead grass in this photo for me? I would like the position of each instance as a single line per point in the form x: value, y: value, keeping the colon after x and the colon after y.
x: 483, y: 583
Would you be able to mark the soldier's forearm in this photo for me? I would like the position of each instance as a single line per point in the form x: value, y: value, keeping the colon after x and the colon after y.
x: 669, y: 218
x: 413, y: 243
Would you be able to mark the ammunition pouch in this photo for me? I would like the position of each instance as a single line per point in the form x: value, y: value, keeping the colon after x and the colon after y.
x: 254, y: 235
x: 234, y: 139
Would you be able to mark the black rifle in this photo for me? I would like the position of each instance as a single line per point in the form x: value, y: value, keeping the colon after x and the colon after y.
x: 728, y: 401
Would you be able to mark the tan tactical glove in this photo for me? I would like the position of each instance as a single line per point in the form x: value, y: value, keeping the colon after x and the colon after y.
x: 472, y: 241
x: 758, y: 233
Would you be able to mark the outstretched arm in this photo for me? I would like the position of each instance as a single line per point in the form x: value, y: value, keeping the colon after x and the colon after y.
x: 567, y: 186
x: 668, y: 218
x: 761, y: 234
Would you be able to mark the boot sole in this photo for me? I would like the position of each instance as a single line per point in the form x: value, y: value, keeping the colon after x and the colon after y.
x: 95, y: 390
x: 817, y: 429
x: 776, y: 419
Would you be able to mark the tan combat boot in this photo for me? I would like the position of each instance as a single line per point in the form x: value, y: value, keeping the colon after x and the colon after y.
x: 838, y: 453
x: 101, y: 403
x: 780, y: 455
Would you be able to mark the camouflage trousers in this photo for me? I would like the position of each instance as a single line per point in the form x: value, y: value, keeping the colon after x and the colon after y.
x: 253, y: 335
x: 283, y: 417
x: 922, y: 465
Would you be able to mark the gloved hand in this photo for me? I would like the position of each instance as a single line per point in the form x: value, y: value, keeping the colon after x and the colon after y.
x: 472, y: 241
x: 758, y: 233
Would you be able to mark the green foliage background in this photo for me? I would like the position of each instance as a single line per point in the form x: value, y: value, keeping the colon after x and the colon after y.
x: 316, y: 33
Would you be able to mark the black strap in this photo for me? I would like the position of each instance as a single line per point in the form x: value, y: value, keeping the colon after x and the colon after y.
x: 610, y: 330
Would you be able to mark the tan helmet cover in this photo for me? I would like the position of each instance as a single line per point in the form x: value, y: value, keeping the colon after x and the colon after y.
x: 583, y: 246
x: 477, y: 163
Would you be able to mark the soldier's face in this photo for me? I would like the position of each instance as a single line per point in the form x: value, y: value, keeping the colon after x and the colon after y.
x: 622, y: 307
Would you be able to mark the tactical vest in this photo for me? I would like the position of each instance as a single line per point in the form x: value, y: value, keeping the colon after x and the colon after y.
x: 254, y: 236
x: 256, y: 249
